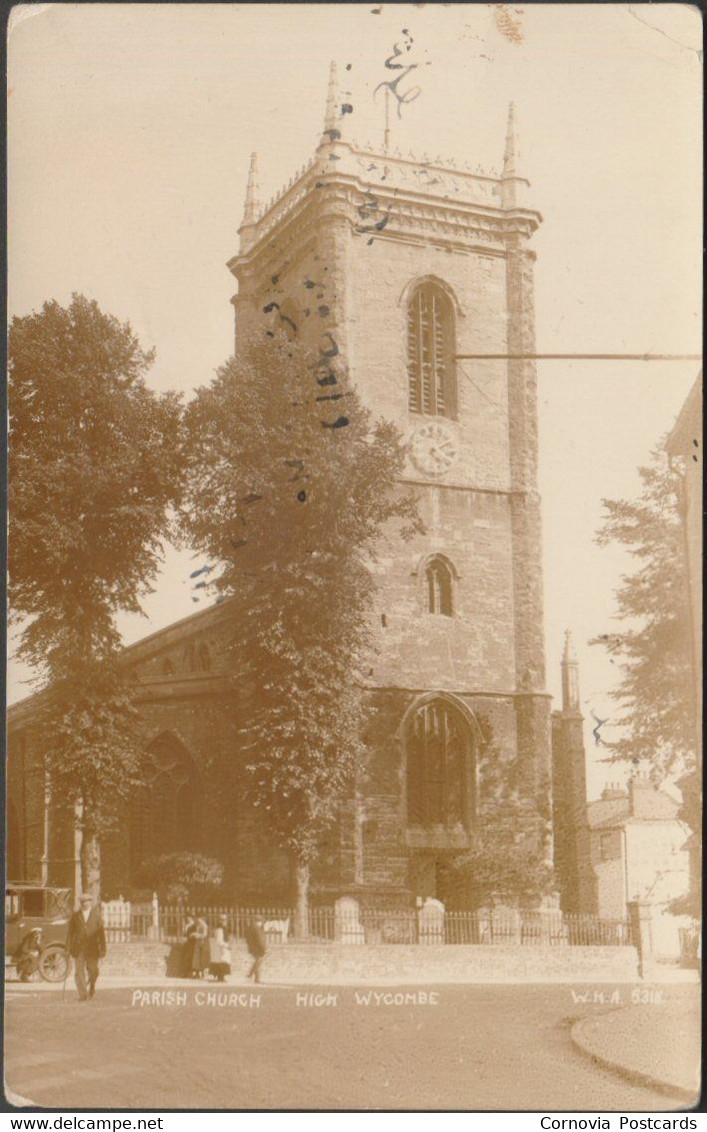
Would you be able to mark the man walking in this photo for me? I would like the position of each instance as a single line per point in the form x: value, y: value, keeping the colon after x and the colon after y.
x: 86, y: 943
x: 257, y: 946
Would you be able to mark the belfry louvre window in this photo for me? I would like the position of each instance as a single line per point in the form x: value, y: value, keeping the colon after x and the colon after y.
x: 439, y: 771
x: 439, y: 588
x: 431, y: 381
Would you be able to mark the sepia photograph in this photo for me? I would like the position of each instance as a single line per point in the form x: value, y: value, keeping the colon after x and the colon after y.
x: 354, y: 678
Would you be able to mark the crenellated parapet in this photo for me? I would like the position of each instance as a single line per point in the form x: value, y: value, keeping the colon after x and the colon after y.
x: 385, y: 195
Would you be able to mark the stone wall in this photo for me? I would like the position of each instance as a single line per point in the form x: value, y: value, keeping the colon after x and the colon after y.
x: 400, y: 964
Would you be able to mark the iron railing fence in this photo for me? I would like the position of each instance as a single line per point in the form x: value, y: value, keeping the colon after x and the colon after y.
x: 528, y: 928
x: 372, y: 925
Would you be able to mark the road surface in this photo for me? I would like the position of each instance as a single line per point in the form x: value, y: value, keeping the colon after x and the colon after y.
x: 456, y: 1047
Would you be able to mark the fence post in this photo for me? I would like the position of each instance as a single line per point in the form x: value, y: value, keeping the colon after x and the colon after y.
x: 430, y: 919
x: 640, y: 920
x: 347, y: 923
x: 153, y: 932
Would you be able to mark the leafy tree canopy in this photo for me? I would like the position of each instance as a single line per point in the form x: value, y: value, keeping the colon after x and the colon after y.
x: 655, y: 693
x: 182, y: 876
x: 291, y: 485
x: 94, y: 465
x: 499, y: 867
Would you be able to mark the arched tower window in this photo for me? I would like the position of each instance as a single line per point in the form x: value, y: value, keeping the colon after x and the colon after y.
x: 439, y: 587
x: 163, y: 813
x: 439, y: 766
x: 430, y: 349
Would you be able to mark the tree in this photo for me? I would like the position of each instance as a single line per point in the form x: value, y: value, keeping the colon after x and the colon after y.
x: 506, y: 860
x: 500, y: 867
x: 94, y: 465
x: 181, y: 876
x: 290, y: 486
x: 655, y: 693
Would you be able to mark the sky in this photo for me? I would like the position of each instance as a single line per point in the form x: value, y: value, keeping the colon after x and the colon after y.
x: 130, y: 132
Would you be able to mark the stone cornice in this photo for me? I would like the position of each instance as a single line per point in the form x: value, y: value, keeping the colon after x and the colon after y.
x: 462, y: 692
x: 161, y: 641
x: 145, y: 689
x: 460, y: 207
x: 466, y: 229
x: 152, y: 689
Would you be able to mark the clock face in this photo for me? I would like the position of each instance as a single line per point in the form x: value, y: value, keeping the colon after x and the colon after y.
x: 433, y: 449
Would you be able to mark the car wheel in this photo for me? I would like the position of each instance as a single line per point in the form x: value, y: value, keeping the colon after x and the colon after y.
x: 54, y: 964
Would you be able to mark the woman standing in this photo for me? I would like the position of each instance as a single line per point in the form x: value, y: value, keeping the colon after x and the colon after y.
x: 200, y: 948
x: 220, y: 964
x: 187, y: 952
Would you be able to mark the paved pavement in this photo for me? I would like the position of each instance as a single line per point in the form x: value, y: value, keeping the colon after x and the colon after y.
x: 443, y: 1047
x: 654, y: 1042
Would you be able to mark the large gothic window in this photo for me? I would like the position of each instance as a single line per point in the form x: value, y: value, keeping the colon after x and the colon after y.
x: 439, y: 767
x: 164, y: 810
x: 431, y: 380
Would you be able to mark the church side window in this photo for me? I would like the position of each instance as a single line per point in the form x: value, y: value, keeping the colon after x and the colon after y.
x: 163, y: 809
x: 439, y: 751
x: 439, y: 588
x: 430, y: 350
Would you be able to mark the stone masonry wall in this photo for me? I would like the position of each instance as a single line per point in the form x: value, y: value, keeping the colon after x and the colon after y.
x: 396, y: 964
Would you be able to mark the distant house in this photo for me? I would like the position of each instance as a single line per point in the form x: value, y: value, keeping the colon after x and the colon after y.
x: 627, y: 845
x: 633, y: 847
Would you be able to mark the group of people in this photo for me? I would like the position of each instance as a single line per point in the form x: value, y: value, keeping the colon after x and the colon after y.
x: 207, y: 953
x: 203, y: 952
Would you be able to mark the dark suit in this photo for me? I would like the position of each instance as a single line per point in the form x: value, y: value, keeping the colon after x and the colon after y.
x: 86, y: 942
x: 257, y: 946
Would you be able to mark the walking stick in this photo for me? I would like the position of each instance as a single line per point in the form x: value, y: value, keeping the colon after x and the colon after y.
x: 63, y: 989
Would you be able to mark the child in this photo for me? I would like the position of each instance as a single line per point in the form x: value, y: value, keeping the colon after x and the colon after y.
x: 28, y: 957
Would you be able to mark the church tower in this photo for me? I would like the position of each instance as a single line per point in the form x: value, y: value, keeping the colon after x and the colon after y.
x: 394, y: 268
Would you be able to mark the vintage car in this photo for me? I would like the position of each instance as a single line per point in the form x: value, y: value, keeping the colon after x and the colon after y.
x: 29, y: 906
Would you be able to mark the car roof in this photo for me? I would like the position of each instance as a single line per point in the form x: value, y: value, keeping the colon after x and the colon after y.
x: 10, y: 887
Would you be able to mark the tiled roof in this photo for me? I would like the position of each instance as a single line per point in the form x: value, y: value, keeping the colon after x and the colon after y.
x: 609, y: 812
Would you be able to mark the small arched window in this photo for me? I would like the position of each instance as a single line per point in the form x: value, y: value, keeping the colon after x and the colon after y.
x: 430, y: 350
x: 440, y: 583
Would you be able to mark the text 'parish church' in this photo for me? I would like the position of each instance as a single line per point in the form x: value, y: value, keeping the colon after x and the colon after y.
x: 400, y: 267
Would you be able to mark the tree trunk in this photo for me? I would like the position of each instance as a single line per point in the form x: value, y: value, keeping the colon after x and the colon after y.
x: 91, y: 865
x: 300, y: 877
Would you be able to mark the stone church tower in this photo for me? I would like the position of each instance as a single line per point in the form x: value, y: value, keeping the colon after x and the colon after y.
x: 394, y: 269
